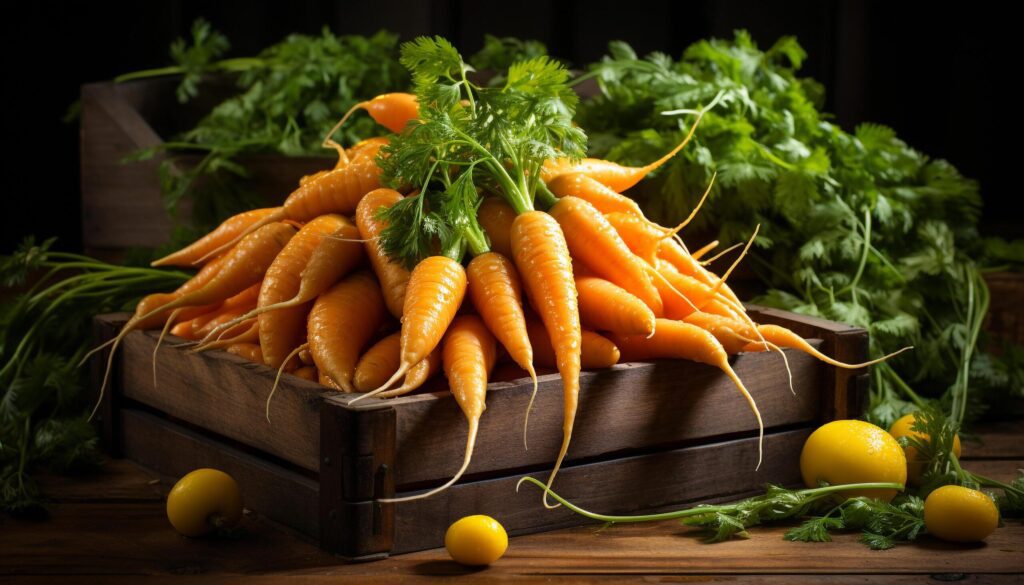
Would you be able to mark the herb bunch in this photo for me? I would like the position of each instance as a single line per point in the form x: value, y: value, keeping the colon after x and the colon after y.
x: 471, y: 138
x: 858, y: 228
x: 45, y: 330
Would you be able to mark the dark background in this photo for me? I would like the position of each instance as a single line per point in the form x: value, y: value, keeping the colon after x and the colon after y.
x: 944, y: 78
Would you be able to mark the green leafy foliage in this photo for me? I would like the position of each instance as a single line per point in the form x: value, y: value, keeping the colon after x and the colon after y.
x: 856, y: 227
x: 45, y: 330
x: 882, y: 524
x: 499, y: 53
x: 470, y: 138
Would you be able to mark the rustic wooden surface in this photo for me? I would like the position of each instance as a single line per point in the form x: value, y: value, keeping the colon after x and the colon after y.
x: 111, y: 528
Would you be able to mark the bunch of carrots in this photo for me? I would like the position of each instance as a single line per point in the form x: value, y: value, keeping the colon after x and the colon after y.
x: 474, y: 230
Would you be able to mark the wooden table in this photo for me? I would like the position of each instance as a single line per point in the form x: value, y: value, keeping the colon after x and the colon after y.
x: 111, y: 528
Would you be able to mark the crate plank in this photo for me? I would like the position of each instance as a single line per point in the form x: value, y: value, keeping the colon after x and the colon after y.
x: 278, y: 494
x: 626, y: 408
x: 613, y: 487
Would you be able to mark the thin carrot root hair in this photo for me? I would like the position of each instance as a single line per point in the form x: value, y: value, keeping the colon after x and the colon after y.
x: 330, y: 143
x: 93, y: 351
x: 786, y: 338
x: 160, y: 340
x: 529, y: 406
x: 697, y: 255
x: 665, y: 281
x: 566, y: 437
x: 474, y: 424
x: 736, y: 262
x: 403, y: 369
x: 718, y: 255
x: 769, y: 346
x: 674, y: 232
x: 280, y: 370
x: 221, y: 342
x: 725, y: 367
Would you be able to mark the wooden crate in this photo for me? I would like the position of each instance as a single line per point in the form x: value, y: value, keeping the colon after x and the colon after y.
x: 121, y: 202
x: 649, y: 436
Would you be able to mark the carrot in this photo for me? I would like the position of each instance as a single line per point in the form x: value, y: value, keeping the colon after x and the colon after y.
x: 393, y: 276
x: 703, y: 250
x: 249, y: 351
x: 607, y: 307
x: 337, y: 191
x: 616, y: 177
x: 496, y: 216
x: 378, y: 363
x: 335, y: 255
x: 225, y: 232
x: 594, y: 243
x: 732, y: 334
x: 782, y: 337
x: 244, y: 332
x: 590, y: 190
x: 542, y: 256
x: 675, y: 339
x: 183, y: 329
x: 496, y: 293
x: 282, y: 330
x: 596, y: 351
x: 220, y: 318
x: 391, y: 110
x: 435, y: 292
x: 342, y: 321
x: 696, y: 295
x: 671, y: 252
x: 417, y: 376
x: 306, y: 373
x: 468, y: 356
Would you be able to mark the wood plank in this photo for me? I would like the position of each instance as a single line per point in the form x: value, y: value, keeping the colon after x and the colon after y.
x: 116, y: 480
x: 1005, y: 470
x: 227, y: 394
x: 627, y: 408
x: 274, y: 492
x: 1000, y: 439
x: 622, y: 486
x: 429, y: 572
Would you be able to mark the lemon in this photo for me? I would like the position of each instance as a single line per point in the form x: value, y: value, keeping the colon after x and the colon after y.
x: 202, y: 501
x: 853, y: 451
x: 915, y: 464
x: 476, y: 540
x: 960, y: 514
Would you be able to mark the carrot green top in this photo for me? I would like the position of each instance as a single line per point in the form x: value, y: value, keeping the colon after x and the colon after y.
x: 469, y: 138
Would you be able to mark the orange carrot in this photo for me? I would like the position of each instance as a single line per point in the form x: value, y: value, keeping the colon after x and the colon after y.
x: 393, y: 276
x: 306, y: 373
x: 542, y: 257
x: 391, y: 110
x: 734, y: 335
x: 342, y: 321
x: 496, y: 217
x: 496, y: 293
x: 590, y: 190
x: 244, y: 332
x: 468, y: 356
x: 282, y: 330
x: 378, y: 363
x: 596, y: 351
x: 225, y: 232
x: 782, y: 337
x: 249, y: 351
x: 435, y: 292
x: 676, y: 339
x: 696, y: 295
x: 417, y: 376
x: 607, y: 307
x: 594, y: 242
x: 703, y: 250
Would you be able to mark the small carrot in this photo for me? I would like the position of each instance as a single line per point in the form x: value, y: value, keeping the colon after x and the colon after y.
x: 226, y: 231
x: 675, y: 339
x: 306, y: 373
x: 592, y: 191
x: 607, y: 307
x: 435, y: 292
x: 703, y: 250
x: 378, y: 363
x: 782, y: 337
x: 594, y: 242
x: 417, y: 376
x: 341, y: 323
x: 542, y: 257
x: 596, y: 351
x: 243, y: 332
x: 393, y: 277
x: 249, y: 351
x: 496, y: 216
x: 468, y: 356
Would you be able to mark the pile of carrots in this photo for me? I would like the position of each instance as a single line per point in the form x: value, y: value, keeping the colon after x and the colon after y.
x: 306, y: 288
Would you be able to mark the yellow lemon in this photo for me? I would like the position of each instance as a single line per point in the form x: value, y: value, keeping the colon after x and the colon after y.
x: 960, y: 514
x: 853, y: 451
x: 915, y: 465
x: 476, y: 540
x: 202, y: 501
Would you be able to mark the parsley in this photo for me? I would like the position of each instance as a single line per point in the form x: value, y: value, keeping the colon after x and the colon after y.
x: 882, y: 524
x: 856, y: 227
x: 470, y: 138
x: 44, y: 332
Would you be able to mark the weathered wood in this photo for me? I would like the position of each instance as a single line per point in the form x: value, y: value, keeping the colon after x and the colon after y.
x: 356, y: 468
x: 626, y: 409
x: 1004, y: 320
x: 225, y: 394
x: 170, y: 449
x: 619, y: 486
x: 995, y: 440
x: 116, y: 480
x: 106, y: 398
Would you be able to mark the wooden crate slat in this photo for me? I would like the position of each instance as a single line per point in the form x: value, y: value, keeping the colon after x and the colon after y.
x: 281, y: 495
x: 666, y: 403
x: 613, y: 487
